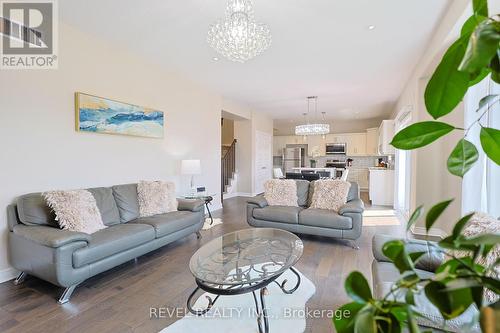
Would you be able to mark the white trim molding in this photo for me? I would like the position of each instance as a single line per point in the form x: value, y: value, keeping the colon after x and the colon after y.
x: 8, y: 274
x: 434, y: 232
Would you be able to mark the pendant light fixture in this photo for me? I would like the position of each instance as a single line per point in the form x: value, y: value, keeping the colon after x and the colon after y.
x: 316, y: 128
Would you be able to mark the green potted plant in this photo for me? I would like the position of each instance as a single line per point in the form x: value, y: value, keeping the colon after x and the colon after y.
x: 460, y: 281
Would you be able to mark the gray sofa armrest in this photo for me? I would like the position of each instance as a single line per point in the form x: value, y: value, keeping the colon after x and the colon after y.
x: 431, y: 260
x: 192, y: 205
x: 50, y: 236
x: 258, y: 200
x: 353, y: 206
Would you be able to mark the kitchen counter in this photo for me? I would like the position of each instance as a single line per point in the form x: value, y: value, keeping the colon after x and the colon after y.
x: 381, y: 188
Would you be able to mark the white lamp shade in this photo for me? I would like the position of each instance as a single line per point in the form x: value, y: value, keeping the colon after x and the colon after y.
x: 190, y: 167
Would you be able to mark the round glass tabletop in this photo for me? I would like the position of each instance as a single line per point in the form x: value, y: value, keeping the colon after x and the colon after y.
x: 246, y: 256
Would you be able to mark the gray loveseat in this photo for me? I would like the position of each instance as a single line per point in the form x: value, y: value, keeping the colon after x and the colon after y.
x: 346, y: 224
x: 384, y: 275
x: 66, y: 258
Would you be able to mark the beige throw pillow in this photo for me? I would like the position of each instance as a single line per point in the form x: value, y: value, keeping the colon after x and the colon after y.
x: 75, y: 210
x: 156, y: 197
x: 281, y: 192
x: 330, y: 194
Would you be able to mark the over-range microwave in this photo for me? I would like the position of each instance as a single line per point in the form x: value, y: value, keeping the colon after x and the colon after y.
x: 336, y: 148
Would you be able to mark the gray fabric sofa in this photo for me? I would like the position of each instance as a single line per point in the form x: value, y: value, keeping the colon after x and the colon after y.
x: 384, y: 274
x: 346, y: 224
x: 66, y: 258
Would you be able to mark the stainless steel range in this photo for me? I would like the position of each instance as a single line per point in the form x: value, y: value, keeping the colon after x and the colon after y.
x: 340, y: 164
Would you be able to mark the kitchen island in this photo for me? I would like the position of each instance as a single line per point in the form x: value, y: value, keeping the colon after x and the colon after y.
x: 332, y: 171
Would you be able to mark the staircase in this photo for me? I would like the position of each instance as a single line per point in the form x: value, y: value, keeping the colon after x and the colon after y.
x: 228, y: 165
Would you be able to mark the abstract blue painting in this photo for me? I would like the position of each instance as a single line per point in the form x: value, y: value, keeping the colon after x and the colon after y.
x: 102, y: 115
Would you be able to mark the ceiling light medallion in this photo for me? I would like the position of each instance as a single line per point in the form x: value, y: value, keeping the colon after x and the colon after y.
x: 317, y: 128
x: 237, y: 36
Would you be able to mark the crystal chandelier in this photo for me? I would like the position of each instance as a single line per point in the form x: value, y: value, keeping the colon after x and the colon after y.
x: 237, y: 36
x: 316, y: 128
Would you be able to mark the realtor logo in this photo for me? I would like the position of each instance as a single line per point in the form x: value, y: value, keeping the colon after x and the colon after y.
x: 29, y: 34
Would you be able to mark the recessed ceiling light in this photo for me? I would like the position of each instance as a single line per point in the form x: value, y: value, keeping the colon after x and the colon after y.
x: 215, y: 59
x: 371, y: 27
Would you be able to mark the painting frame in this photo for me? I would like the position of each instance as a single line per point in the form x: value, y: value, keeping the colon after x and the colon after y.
x: 155, y: 128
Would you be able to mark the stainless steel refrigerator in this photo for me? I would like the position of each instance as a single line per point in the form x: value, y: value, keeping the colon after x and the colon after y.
x: 293, y: 157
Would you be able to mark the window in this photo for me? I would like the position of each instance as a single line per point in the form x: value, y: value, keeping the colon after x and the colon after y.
x: 481, y: 185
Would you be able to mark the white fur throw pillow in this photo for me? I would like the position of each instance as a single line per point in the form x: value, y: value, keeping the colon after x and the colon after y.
x: 281, y: 192
x: 478, y: 224
x: 156, y: 197
x: 330, y: 194
x: 75, y: 210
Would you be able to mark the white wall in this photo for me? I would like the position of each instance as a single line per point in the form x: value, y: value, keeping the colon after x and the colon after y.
x: 245, y: 132
x: 431, y: 182
x: 40, y: 149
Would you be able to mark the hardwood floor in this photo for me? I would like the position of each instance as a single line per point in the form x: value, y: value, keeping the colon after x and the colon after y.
x: 119, y: 300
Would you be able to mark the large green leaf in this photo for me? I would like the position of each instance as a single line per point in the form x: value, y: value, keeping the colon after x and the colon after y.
x: 451, y: 303
x: 457, y: 229
x: 471, y: 24
x: 480, y: 7
x: 357, y: 288
x: 447, y: 85
x: 420, y: 134
x: 495, y: 68
x: 486, y: 100
x: 345, y: 322
x: 365, y: 321
x: 490, y: 141
x: 414, y: 217
x: 395, y: 251
x: 482, y: 47
x: 435, y: 212
x: 485, y: 239
x: 462, y: 158
x: 476, y: 78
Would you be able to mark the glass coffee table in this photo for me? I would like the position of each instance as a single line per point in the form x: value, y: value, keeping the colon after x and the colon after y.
x: 245, y: 261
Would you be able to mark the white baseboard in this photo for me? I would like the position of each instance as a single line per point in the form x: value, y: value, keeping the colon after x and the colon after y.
x: 434, y: 232
x: 8, y: 274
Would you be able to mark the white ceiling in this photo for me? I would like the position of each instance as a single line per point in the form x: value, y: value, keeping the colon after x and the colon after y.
x: 320, y: 47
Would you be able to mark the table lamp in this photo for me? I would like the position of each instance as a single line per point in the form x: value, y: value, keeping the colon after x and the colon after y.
x: 191, y: 167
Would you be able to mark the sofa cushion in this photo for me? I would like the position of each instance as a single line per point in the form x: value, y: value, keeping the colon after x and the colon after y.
x: 126, y: 201
x: 324, y: 218
x: 385, y: 274
x: 281, y: 192
x: 285, y: 214
x: 165, y: 224
x: 107, y: 205
x: 33, y: 210
x: 302, y: 192
x: 113, y: 240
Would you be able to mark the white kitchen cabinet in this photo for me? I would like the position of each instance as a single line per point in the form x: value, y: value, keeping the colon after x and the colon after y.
x: 356, y: 144
x: 279, y: 142
x: 381, y: 188
x: 372, y: 141
x: 386, y: 133
x: 360, y: 176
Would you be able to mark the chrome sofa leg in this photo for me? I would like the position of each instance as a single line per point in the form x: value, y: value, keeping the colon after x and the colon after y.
x: 66, y: 295
x: 20, y: 278
x: 353, y: 244
x: 198, y: 235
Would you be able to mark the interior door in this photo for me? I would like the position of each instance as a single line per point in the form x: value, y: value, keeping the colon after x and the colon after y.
x: 263, y: 160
